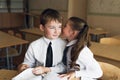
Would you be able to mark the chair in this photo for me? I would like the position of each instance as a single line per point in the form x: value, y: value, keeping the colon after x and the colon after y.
x: 110, y: 41
x: 12, y: 51
x: 7, y: 74
x: 11, y: 32
x: 110, y: 72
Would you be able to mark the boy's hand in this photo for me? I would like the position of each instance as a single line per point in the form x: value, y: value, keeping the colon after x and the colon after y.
x: 22, y: 67
x: 40, y: 70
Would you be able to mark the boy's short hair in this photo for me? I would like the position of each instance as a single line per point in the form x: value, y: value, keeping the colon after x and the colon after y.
x: 48, y: 15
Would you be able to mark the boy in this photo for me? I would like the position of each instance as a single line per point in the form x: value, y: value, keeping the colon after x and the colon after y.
x: 36, y: 55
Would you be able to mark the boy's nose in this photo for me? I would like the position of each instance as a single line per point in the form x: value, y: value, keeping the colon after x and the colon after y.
x: 56, y: 31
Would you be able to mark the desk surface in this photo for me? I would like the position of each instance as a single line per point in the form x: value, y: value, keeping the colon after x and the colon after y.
x: 35, y: 31
x: 7, y: 40
x: 106, y: 51
x: 117, y: 37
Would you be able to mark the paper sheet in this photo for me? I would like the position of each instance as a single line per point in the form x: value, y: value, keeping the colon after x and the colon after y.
x: 25, y: 75
x: 28, y: 75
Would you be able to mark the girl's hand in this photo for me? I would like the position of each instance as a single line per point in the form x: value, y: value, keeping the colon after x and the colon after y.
x: 68, y: 75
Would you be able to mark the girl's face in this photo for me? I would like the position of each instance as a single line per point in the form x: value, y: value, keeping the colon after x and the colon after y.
x: 68, y: 33
x: 52, y: 29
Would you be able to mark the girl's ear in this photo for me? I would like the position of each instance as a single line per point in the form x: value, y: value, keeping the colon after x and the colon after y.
x: 41, y: 27
x: 75, y: 33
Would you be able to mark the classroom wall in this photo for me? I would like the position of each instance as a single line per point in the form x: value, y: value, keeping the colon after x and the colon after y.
x: 105, y: 14
x: 36, y: 7
x: 11, y: 20
x: 109, y: 23
x: 67, y: 8
x: 77, y: 8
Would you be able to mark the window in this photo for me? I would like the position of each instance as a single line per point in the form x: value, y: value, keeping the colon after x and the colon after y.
x: 3, y: 6
x: 11, y: 5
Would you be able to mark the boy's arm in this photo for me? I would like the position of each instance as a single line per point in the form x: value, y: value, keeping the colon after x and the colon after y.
x: 22, y: 67
x: 28, y: 60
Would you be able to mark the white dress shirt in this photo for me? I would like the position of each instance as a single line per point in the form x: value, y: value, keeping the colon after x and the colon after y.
x: 89, y: 67
x: 36, y: 53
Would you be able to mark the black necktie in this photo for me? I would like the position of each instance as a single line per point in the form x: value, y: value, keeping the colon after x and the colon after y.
x: 49, y: 56
x: 64, y: 60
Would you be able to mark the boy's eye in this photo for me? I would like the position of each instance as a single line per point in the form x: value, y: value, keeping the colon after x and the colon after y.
x: 60, y: 26
x: 51, y: 27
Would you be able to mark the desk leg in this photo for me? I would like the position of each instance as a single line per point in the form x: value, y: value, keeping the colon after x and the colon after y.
x: 8, y: 62
x: 97, y: 38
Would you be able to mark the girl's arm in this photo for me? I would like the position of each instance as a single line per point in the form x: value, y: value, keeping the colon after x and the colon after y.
x: 91, y: 68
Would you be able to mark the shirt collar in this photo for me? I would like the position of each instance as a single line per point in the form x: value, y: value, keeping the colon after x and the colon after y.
x: 49, y: 40
x: 71, y: 42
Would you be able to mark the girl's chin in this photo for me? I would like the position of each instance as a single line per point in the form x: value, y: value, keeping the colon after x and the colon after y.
x: 63, y: 37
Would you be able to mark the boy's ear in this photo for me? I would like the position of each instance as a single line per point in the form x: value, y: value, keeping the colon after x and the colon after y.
x: 41, y: 27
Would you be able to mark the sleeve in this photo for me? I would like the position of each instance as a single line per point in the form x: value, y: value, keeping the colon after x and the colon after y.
x: 91, y: 69
x: 59, y: 68
x: 29, y: 57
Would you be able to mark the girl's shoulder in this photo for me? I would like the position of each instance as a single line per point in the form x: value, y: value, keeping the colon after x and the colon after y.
x: 61, y: 40
x: 86, y: 51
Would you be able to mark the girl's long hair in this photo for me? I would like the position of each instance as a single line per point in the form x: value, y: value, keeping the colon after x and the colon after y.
x: 82, y: 37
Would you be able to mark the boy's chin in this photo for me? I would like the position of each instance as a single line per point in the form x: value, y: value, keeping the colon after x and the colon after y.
x: 54, y: 37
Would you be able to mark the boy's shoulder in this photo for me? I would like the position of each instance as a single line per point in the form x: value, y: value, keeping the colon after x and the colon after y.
x: 61, y: 40
x: 37, y: 41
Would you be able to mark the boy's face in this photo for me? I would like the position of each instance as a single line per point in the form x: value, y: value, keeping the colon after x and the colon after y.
x: 52, y: 29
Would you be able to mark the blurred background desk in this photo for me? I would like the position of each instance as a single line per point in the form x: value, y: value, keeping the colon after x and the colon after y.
x: 7, y: 40
x: 96, y: 34
x: 104, y: 52
x: 117, y: 37
x: 32, y: 34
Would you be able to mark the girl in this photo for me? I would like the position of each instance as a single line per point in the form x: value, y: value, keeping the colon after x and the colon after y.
x: 80, y: 60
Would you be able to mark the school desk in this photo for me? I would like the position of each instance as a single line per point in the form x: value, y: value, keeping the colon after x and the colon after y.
x: 7, y: 40
x: 97, y: 33
x: 104, y: 51
x: 116, y: 37
x: 31, y: 34
x: 34, y: 31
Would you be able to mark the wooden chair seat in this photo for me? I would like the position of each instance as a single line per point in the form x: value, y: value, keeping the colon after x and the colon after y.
x: 7, y: 74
